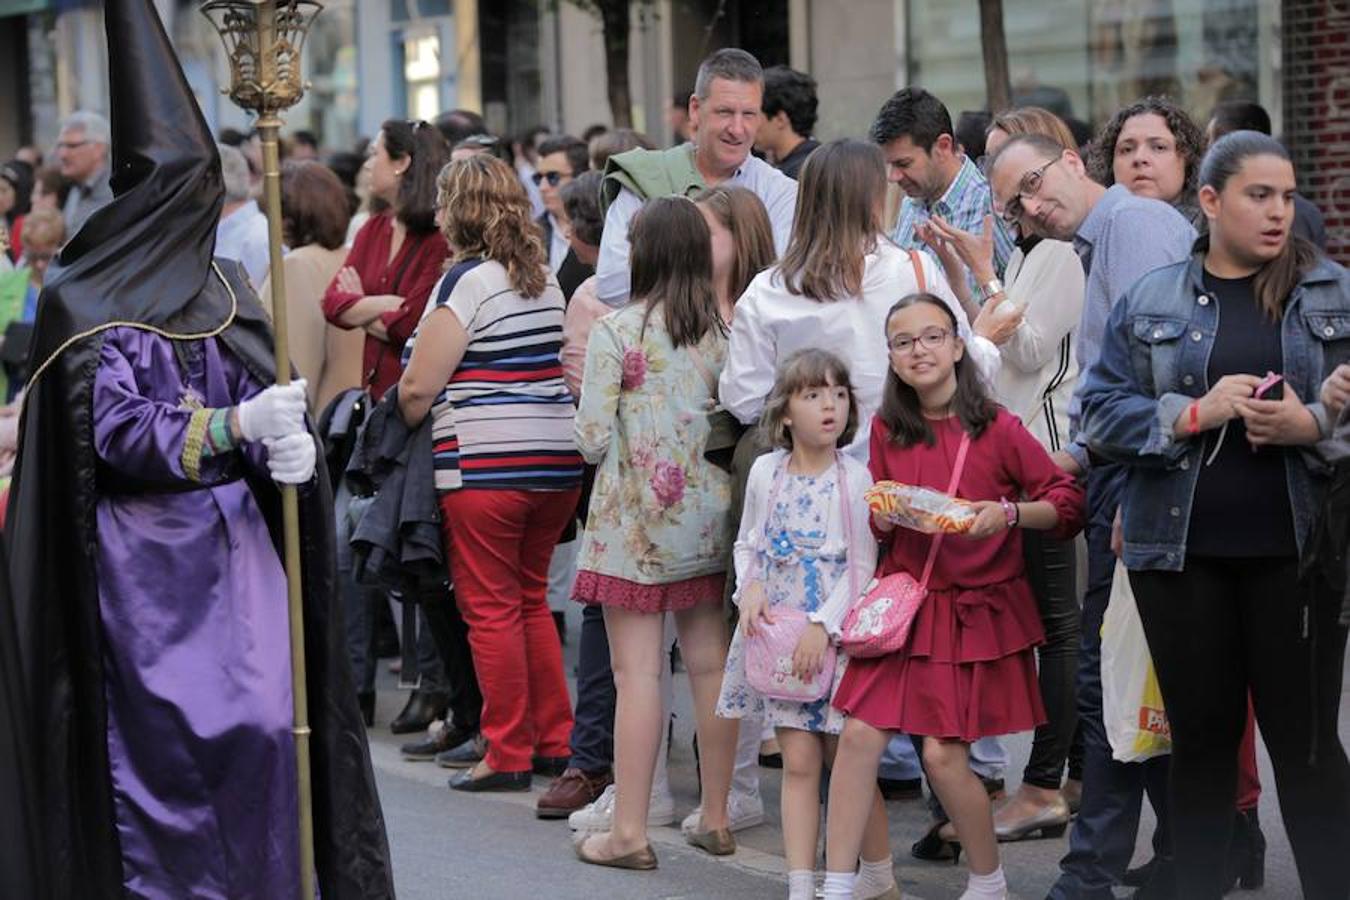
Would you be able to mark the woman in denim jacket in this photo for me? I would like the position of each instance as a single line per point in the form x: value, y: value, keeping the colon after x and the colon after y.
x: 1227, y: 474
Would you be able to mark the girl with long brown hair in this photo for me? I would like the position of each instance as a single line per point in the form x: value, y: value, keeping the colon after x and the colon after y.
x: 832, y: 288
x: 657, y: 531
x: 484, y: 364
x: 967, y: 670
x: 1044, y: 292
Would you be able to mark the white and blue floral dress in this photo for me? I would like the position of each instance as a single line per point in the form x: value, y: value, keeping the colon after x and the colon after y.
x: 799, y: 549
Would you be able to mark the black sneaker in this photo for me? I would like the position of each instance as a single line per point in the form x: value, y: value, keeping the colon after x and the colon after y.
x: 426, y: 749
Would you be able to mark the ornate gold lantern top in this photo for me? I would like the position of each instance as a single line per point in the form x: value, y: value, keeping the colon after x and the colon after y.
x: 263, y: 40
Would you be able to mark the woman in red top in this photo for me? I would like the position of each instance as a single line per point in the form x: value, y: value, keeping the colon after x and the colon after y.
x: 398, y: 255
x: 969, y: 669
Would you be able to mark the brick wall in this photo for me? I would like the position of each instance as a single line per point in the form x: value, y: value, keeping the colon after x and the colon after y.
x: 1317, y: 109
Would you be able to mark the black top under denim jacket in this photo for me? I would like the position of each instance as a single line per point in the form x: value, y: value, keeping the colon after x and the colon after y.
x: 1241, y: 504
x: 1154, y: 363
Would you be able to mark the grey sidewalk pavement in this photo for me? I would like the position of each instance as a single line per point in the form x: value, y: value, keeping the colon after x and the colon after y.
x: 447, y: 844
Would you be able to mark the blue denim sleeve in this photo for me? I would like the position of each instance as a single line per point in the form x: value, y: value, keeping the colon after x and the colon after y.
x: 1119, y: 421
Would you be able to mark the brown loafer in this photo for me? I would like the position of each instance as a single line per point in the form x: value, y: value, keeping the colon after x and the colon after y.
x: 642, y: 860
x: 718, y: 842
x: 571, y: 791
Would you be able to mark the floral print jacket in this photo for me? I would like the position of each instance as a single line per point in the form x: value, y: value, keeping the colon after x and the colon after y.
x: 659, y: 510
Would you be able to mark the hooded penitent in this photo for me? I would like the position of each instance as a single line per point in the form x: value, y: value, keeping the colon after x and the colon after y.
x: 137, y: 285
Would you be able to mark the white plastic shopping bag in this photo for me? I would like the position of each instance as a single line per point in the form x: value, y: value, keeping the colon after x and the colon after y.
x: 1132, y: 705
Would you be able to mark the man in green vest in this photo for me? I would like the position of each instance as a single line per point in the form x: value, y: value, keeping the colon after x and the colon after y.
x: 724, y: 113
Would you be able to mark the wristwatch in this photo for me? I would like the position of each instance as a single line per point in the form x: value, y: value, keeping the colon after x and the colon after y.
x: 990, y: 288
x: 1009, y: 510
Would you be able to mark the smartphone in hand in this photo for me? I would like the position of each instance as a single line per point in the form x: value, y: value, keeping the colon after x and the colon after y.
x: 1270, y: 388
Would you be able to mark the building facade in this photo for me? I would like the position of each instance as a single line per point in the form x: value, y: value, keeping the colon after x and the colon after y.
x: 528, y: 63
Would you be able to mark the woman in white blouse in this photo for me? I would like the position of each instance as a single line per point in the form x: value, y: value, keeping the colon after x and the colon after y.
x: 1037, y: 378
x: 832, y: 288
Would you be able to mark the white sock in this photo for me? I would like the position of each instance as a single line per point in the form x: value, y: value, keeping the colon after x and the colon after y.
x: 874, y: 878
x: 801, y: 884
x: 839, y: 885
x: 986, y: 887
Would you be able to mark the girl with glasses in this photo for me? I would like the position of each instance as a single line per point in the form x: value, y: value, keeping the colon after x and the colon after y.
x: 1037, y: 378
x: 969, y: 669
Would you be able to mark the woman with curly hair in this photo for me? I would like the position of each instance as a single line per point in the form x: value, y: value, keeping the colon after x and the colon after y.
x: 1154, y: 149
x: 484, y: 364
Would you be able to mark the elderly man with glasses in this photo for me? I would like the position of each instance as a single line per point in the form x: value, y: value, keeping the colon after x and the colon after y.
x: 82, y: 155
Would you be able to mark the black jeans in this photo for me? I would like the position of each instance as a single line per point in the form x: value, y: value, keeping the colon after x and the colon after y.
x: 451, y: 637
x: 1101, y: 842
x: 1215, y: 630
x: 1051, y: 571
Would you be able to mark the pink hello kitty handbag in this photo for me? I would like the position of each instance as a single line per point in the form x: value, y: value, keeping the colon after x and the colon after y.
x: 879, y: 623
x: 768, y: 655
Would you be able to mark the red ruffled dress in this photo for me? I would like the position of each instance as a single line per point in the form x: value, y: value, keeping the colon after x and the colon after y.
x: 970, y: 668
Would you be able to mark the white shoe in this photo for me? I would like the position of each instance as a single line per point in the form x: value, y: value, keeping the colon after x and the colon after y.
x: 743, y: 811
x: 598, y: 816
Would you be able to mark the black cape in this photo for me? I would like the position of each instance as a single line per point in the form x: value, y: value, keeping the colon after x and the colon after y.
x: 19, y: 869
x: 146, y: 258
x: 52, y: 534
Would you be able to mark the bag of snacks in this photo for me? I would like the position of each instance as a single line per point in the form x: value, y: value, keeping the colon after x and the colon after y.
x: 920, y: 508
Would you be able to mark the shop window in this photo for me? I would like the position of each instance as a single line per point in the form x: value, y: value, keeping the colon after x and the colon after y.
x: 422, y: 74
x: 1087, y: 59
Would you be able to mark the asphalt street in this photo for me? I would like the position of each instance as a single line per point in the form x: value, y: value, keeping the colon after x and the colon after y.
x: 452, y: 845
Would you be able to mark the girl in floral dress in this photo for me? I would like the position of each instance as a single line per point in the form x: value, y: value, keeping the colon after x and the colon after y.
x: 657, y: 531
x: 804, y: 544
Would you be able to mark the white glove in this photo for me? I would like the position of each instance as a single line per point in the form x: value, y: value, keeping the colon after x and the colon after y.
x: 275, y: 412
x: 291, y: 459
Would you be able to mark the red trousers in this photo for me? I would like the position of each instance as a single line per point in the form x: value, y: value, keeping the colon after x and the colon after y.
x: 499, y: 543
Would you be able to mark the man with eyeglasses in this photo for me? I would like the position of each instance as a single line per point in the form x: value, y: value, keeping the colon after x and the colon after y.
x: 924, y: 159
x: 82, y: 154
x: 1045, y: 190
x: 561, y: 158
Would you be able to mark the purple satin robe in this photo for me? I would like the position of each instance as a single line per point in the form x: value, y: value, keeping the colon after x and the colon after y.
x: 196, y: 656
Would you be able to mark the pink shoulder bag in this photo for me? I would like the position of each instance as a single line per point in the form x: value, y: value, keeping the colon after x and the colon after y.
x: 879, y: 623
x: 768, y: 655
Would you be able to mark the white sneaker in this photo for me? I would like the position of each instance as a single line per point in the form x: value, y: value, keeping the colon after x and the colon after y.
x: 598, y: 816
x: 743, y: 811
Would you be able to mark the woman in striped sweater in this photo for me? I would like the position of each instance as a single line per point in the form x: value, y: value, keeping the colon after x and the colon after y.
x: 484, y: 364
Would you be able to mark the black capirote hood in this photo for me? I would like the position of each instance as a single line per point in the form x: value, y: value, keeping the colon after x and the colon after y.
x: 147, y: 254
